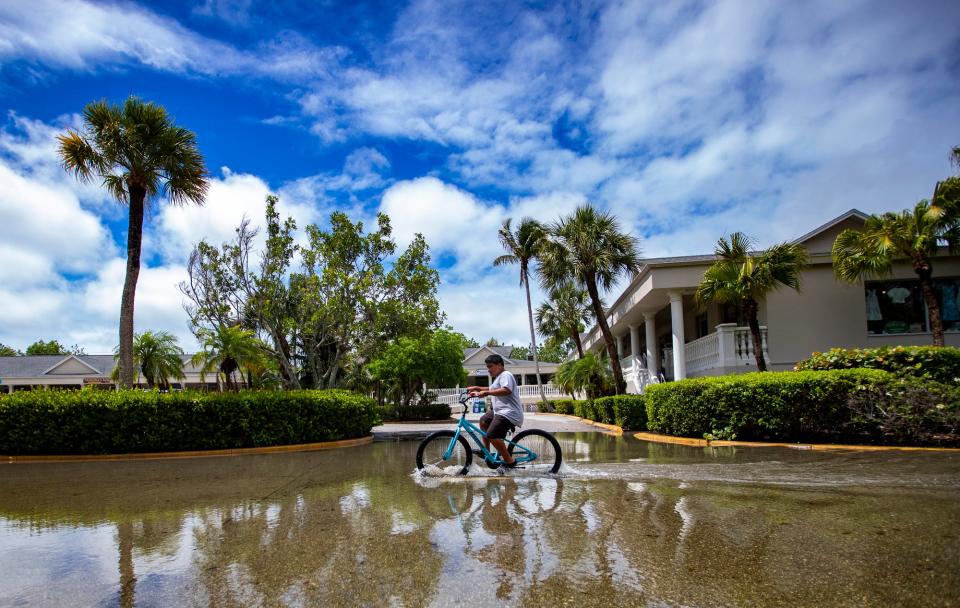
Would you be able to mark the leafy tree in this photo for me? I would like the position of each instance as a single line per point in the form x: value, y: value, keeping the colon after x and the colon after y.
x: 139, y: 154
x: 6, y: 351
x: 551, y: 351
x: 227, y: 350
x: 522, y: 247
x: 465, y: 341
x: 492, y: 342
x: 745, y: 278
x: 589, y: 249
x: 409, y: 363
x: 157, y: 356
x: 324, y: 308
x: 590, y: 374
x: 565, y: 314
x: 46, y: 348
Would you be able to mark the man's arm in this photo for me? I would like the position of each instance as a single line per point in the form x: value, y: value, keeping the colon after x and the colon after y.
x: 495, y: 392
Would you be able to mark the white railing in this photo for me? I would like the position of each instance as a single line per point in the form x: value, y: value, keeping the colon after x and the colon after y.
x: 729, y: 346
x: 702, y: 353
x: 635, y: 371
x: 528, y: 392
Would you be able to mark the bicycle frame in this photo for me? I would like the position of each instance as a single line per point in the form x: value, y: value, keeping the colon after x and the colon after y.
x: 477, y: 434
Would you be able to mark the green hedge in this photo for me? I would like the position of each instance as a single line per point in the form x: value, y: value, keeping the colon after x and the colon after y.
x: 628, y: 411
x: 935, y: 363
x: 432, y: 411
x: 101, y: 422
x: 864, y: 405
x: 564, y: 406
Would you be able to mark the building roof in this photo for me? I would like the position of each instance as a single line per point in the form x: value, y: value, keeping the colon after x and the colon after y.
x: 35, y: 366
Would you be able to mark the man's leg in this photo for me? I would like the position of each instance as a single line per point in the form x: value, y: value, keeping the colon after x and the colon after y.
x: 484, y: 425
x: 501, y: 446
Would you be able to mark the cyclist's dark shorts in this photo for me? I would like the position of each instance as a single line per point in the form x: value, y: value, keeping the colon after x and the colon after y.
x: 497, y: 426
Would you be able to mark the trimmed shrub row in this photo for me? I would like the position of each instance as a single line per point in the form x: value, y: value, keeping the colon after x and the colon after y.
x: 101, y: 422
x: 935, y: 363
x: 431, y: 411
x: 628, y: 411
x: 859, y: 404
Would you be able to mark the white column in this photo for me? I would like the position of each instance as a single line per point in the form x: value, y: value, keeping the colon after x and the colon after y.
x: 653, y: 356
x: 676, y: 324
x: 635, y: 343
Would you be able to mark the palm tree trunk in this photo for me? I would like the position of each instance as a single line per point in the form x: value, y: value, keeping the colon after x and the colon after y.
x: 618, y: 382
x: 134, y: 242
x: 576, y: 340
x: 128, y: 579
x: 924, y: 270
x: 533, y: 347
x: 750, y: 310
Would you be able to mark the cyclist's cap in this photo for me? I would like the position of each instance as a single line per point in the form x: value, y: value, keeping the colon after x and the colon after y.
x: 494, y: 359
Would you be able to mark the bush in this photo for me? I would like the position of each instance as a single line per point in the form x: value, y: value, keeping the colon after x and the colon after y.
x: 935, y: 363
x: 628, y: 411
x: 429, y: 411
x: 564, y: 406
x: 863, y: 405
x: 101, y: 422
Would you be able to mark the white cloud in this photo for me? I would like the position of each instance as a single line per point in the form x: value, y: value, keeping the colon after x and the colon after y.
x: 83, y: 35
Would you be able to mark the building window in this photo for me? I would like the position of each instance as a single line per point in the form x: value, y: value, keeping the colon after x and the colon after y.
x: 702, y: 327
x: 895, y: 307
x: 948, y: 293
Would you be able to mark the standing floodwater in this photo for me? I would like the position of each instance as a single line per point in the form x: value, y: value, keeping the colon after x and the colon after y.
x: 626, y: 523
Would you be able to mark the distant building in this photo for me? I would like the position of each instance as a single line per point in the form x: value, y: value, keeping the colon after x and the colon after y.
x: 77, y: 371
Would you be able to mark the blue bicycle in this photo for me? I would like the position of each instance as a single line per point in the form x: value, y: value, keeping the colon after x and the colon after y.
x: 533, y: 449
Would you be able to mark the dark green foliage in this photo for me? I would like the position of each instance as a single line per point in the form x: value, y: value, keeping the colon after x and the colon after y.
x: 46, y: 348
x: 860, y: 405
x: 628, y: 411
x: 430, y: 411
x: 936, y: 363
x: 564, y: 406
x: 101, y: 422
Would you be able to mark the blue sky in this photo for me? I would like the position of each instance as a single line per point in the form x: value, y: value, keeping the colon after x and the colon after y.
x: 688, y: 120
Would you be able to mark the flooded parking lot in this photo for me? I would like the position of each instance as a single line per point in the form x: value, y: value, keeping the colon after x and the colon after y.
x: 625, y: 523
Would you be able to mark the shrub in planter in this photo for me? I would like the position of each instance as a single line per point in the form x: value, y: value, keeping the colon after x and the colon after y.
x: 98, y: 422
x: 861, y: 405
x: 935, y: 363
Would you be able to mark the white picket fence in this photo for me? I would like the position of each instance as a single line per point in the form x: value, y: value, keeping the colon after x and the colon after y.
x: 528, y: 393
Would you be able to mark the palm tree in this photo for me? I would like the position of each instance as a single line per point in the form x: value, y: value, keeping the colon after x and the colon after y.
x: 589, y: 249
x: 157, y: 356
x: 590, y: 374
x: 911, y: 235
x: 565, y: 314
x: 139, y: 154
x: 226, y: 350
x: 522, y: 247
x: 746, y: 278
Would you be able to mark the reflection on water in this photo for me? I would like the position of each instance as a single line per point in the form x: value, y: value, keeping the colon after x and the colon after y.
x: 625, y: 523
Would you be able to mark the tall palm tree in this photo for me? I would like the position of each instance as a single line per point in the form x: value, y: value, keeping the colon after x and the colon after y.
x: 908, y: 235
x: 522, y: 247
x: 745, y: 278
x: 226, y: 350
x: 565, y: 314
x: 157, y: 356
x: 139, y: 154
x: 589, y: 249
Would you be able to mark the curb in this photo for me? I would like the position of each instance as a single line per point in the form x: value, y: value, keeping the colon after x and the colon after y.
x: 611, y: 428
x: 273, y: 449
x: 703, y: 443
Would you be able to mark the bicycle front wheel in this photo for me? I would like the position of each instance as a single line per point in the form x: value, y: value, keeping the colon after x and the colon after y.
x: 435, y: 451
x: 537, y: 451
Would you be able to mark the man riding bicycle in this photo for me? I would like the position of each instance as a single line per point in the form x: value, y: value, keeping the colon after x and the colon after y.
x: 507, y: 412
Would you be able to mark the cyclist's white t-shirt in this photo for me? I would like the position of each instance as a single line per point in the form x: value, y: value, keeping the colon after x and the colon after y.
x: 507, y: 406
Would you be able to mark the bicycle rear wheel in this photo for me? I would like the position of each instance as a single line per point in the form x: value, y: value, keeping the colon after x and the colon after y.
x: 543, y: 444
x: 433, y: 449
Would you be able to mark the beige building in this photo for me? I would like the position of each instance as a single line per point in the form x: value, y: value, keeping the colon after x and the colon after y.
x: 77, y: 371
x: 662, y: 334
